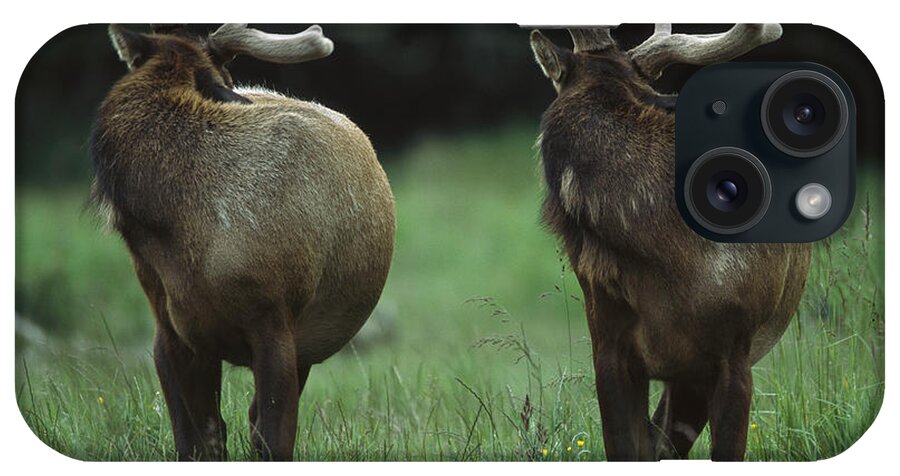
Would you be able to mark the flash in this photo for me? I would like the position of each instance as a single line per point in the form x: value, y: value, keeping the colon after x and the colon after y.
x: 813, y: 201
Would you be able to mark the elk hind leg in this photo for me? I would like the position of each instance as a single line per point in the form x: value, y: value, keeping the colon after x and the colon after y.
x: 729, y: 410
x: 679, y: 419
x: 302, y: 376
x: 191, y: 384
x: 621, y: 381
x: 274, y: 409
x: 622, y: 393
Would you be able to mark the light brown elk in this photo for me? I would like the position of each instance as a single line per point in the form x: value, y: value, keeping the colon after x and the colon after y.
x: 661, y: 302
x: 261, y: 227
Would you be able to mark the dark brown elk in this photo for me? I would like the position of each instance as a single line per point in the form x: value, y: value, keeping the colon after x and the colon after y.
x: 261, y: 227
x: 661, y: 302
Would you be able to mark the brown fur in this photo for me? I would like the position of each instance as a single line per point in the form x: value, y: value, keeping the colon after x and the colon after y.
x: 262, y: 234
x: 661, y: 301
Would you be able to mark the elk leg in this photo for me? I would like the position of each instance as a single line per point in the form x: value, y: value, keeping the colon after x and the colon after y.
x: 679, y: 419
x: 277, y: 390
x: 622, y: 384
x: 191, y: 383
x: 302, y: 376
x: 622, y: 392
x: 253, y: 415
x: 729, y: 411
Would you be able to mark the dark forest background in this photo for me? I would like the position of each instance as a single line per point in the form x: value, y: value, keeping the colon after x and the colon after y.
x: 395, y: 81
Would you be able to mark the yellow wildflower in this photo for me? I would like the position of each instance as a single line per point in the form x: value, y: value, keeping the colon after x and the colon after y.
x: 580, y: 442
x: 544, y: 451
x: 753, y: 426
x: 101, y: 400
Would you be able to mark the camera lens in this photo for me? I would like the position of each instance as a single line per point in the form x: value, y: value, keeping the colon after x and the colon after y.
x: 804, y: 113
x: 727, y: 190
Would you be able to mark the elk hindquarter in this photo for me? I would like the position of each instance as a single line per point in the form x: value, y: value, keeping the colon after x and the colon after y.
x: 261, y: 227
x: 661, y: 301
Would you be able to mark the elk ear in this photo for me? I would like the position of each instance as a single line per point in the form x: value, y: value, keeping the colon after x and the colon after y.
x: 133, y: 48
x: 552, y: 59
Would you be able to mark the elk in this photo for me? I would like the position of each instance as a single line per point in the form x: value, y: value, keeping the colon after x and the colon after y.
x: 662, y: 302
x: 261, y: 227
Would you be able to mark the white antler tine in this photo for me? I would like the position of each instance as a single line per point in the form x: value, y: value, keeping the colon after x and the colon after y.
x: 237, y: 38
x: 664, y: 48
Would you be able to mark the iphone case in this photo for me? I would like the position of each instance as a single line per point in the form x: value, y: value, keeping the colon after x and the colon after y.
x: 459, y: 242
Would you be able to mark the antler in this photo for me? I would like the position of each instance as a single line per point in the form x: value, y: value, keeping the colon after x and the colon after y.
x: 664, y: 48
x: 591, y: 39
x: 236, y: 38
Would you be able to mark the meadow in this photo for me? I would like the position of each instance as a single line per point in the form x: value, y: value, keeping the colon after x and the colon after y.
x: 479, y: 349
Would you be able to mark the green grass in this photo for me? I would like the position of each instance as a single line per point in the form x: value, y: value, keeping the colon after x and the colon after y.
x: 489, y: 359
